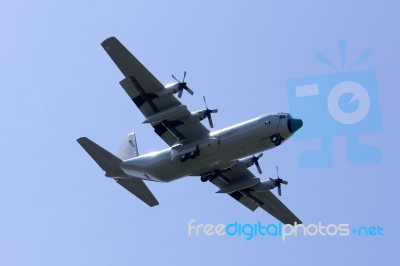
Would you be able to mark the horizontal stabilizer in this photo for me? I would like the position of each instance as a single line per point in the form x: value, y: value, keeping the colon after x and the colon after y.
x: 110, y: 163
x: 239, y: 185
x: 138, y: 188
x: 106, y: 160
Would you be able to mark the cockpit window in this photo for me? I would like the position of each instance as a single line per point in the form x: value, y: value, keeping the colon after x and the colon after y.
x: 283, y: 115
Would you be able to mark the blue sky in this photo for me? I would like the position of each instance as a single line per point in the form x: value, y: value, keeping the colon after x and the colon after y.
x: 57, y: 84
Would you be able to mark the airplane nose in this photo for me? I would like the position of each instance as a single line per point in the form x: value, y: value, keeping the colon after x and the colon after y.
x: 294, y: 124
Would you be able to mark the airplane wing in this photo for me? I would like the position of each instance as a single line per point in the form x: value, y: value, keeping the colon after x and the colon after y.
x: 253, y: 199
x: 162, y: 110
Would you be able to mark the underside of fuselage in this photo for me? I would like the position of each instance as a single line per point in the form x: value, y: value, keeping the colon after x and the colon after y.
x: 219, y: 152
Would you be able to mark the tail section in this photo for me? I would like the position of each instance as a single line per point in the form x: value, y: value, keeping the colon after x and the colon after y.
x: 106, y: 160
x: 128, y: 148
x: 138, y: 188
x: 110, y: 164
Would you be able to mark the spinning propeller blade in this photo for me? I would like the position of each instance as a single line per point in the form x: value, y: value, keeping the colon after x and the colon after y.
x: 182, y: 85
x: 208, y: 113
x: 279, y: 181
x: 254, y: 160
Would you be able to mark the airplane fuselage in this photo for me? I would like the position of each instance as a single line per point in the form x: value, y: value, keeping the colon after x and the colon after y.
x: 219, y: 150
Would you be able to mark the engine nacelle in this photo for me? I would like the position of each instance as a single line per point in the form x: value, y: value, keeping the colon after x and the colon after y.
x: 170, y: 89
x: 199, y: 115
x: 195, y: 117
x: 265, y: 185
x: 247, y: 161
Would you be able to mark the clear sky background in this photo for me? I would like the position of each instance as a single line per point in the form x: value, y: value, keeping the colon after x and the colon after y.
x: 57, y: 84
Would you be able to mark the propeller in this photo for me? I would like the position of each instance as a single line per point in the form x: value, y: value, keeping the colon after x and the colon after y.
x: 182, y: 85
x: 279, y: 181
x: 254, y: 160
x: 208, y: 113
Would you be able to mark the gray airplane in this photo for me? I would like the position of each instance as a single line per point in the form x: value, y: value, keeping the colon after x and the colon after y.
x: 221, y: 157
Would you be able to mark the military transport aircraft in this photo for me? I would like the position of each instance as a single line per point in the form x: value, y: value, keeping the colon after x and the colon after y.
x: 221, y: 157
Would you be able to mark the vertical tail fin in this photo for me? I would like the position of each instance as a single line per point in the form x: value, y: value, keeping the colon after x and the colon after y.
x: 128, y: 148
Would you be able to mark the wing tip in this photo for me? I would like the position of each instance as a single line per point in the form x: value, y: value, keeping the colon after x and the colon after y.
x: 156, y: 203
x: 81, y: 140
x: 84, y: 142
x: 107, y: 41
x: 295, y: 222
